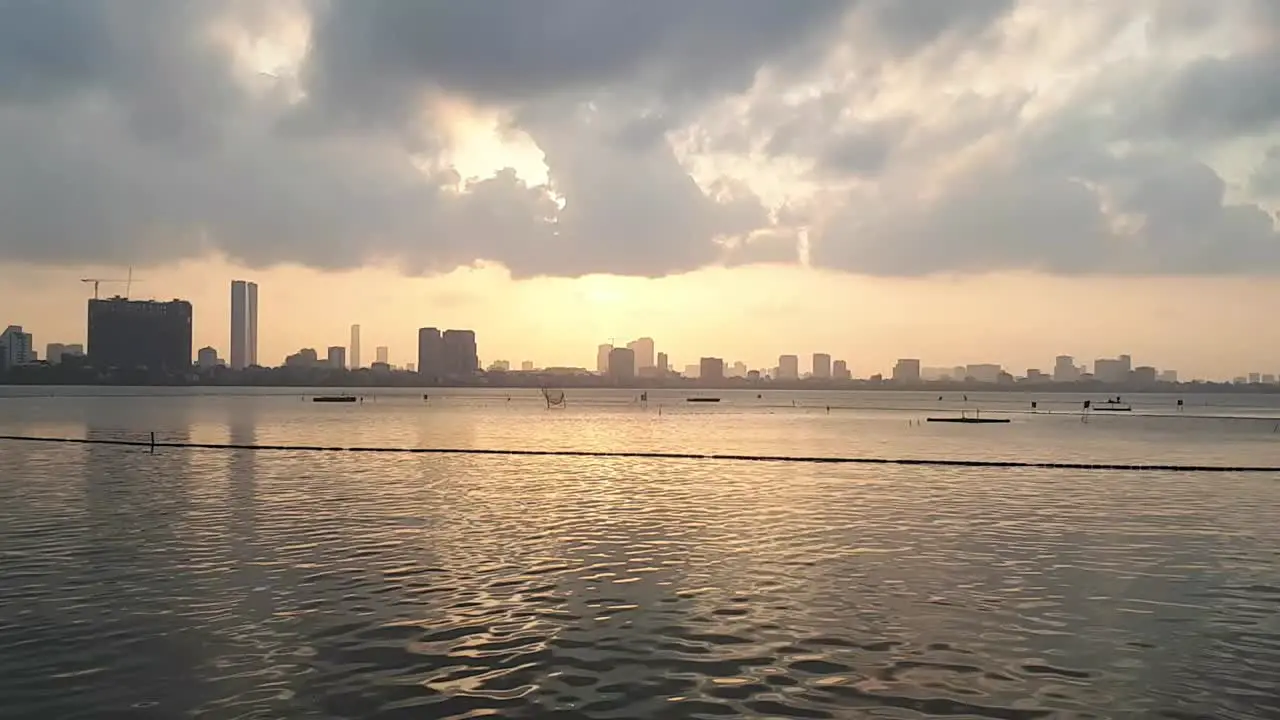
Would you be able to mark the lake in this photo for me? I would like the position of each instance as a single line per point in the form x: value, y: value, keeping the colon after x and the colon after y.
x: 268, y: 584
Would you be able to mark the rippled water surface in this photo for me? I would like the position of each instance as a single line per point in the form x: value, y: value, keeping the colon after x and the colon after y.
x: 247, y: 584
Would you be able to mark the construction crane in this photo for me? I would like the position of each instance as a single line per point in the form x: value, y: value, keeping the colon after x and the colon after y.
x: 128, y: 283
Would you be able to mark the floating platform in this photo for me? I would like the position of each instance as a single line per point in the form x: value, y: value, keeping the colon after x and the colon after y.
x: 969, y: 420
x: 334, y: 399
x: 703, y: 400
x: 1112, y: 408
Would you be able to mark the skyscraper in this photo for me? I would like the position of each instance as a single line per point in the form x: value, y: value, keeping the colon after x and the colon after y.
x: 244, y: 324
x: 337, y: 357
x: 822, y: 366
x: 788, y: 367
x: 355, y: 347
x: 460, y: 356
x: 664, y: 364
x: 602, y: 358
x: 643, y: 348
x: 907, y: 371
x: 382, y: 354
x: 1064, y: 369
x: 840, y: 370
x: 17, y: 346
x: 622, y: 364
x: 129, y: 334
x: 430, y: 353
x: 711, y: 368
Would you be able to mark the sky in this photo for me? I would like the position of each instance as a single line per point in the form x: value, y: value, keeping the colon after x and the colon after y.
x: 970, y: 181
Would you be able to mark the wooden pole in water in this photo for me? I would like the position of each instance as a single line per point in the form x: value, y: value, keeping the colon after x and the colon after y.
x: 153, y: 443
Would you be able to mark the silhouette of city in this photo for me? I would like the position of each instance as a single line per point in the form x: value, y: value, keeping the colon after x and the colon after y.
x: 145, y: 342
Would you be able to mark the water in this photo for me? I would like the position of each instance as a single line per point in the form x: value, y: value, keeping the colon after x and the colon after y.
x: 239, y: 584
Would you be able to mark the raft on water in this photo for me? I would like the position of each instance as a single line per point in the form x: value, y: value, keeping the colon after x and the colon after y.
x: 970, y: 420
x: 703, y: 399
x: 334, y: 399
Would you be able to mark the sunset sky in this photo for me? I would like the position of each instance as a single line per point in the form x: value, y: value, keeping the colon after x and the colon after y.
x: 964, y: 181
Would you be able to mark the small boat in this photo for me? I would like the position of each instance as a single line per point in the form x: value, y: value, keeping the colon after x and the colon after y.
x: 334, y: 399
x: 1110, y: 405
x: 968, y: 420
x: 703, y: 399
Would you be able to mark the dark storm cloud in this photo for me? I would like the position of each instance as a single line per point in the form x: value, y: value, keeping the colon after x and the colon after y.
x: 1053, y: 202
x: 501, y: 51
x: 127, y: 136
x: 1217, y: 96
x: 911, y: 25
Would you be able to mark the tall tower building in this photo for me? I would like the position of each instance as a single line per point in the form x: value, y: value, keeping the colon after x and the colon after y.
x: 822, y: 366
x: 244, y: 324
x: 602, y: 358
x: 355, y: 347
x: 430, y: 353
x: 643, y: 349
x: 460, y: 357
x: 129, y: 334
x: 383, y: 354
x: 788, y: 367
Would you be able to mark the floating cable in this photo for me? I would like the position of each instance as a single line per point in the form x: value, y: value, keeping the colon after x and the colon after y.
x: 728, y: 457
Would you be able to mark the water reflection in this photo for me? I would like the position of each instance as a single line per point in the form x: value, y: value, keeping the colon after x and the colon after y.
x: 286, y: 584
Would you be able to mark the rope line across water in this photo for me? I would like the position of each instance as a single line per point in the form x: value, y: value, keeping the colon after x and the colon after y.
x: 730, y: 457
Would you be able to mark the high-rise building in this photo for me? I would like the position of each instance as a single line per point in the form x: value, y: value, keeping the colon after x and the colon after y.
x: 1145, y: 375
x: 602, y: 358
x: 739, y: 370
x: 130, y: 334
x: 643, y: 348
x: 337, y: 357
x: 244, y: 324
x: 983, y: 372
x: 840, y: 370
x: 460, y: 356
x: 692, y: 371
x: 1169, y: 376
x: 1112, y: 370
x: 822, y: 366
x: 304, y: 358
x: 711, y: 368
x: 430, y: 353
x: 382, y: 354
x: 908, y: 371
x: 788, y: 367
x: 664, y: 363
x: 526, y: 366
x: 1064, y: 369
x: 355, y: 347
x: 622, y: 364
x: 53, y: 352
x: 1255, y: 378
x: 207, y: 358
x: 17, y: 347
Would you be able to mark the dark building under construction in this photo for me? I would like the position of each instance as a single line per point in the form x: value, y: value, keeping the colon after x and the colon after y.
x: 131, y: 334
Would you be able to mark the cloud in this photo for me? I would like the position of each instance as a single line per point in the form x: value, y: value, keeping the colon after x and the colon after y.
x: 865, y: 135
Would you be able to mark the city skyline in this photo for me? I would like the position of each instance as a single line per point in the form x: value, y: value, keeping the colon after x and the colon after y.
x: 803, y: 361
x: 1002, y: 182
